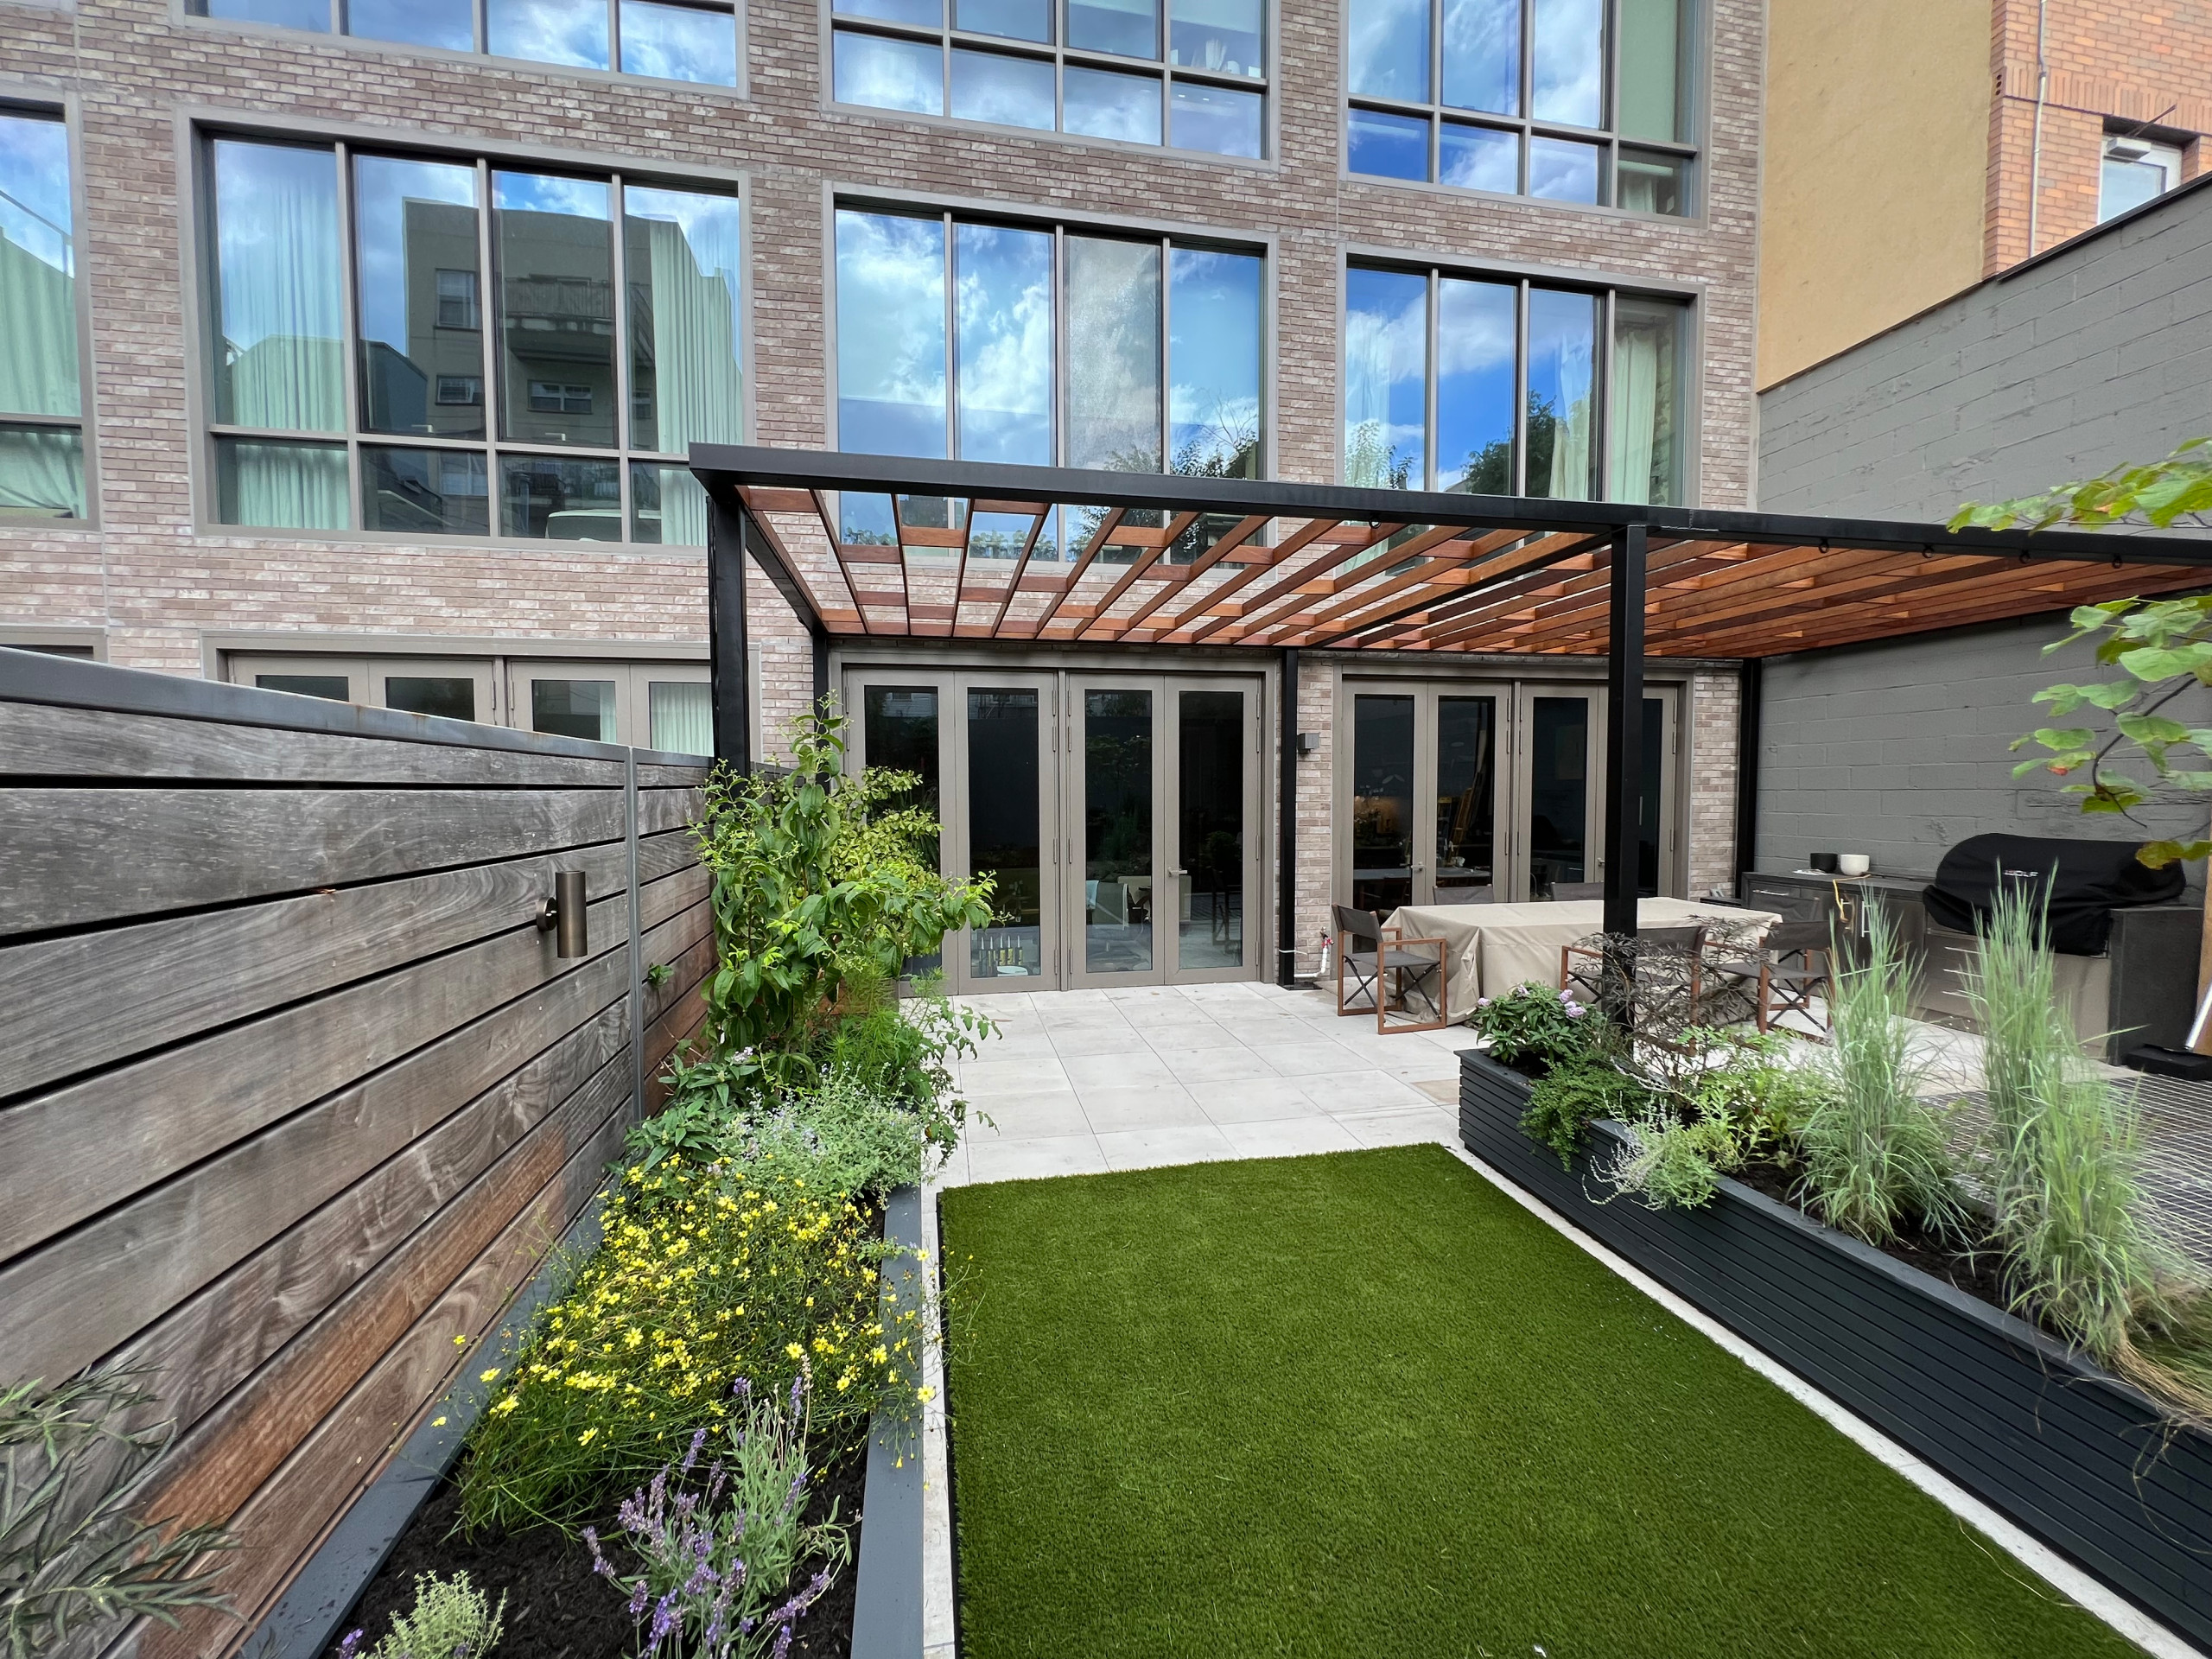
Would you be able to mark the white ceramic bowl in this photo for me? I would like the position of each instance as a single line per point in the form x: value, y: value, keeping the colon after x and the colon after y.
x: 1852, y: 864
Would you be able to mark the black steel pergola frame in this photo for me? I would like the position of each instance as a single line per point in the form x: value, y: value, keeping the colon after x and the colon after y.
x: 734, y: 536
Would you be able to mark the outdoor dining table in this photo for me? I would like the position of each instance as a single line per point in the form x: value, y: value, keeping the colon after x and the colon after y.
x: 1490, y: 948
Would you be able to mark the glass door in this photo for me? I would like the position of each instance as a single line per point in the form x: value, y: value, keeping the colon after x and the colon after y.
x: 1560, y: 763
x: 1426, y: 798
x: 1383, y: 746
x: 1116, y: 802
x: 1004, y: 827
x: 1214, y: 814
x: 1468, y: 868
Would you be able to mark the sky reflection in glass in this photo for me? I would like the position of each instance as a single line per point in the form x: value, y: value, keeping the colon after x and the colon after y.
x: 1389, y: 48
x: 1474, y: 386
x: 1568, y: 61
x: 888, y: 74
x: 1386, y: 380
x: 1561, y: 170
x: 1113, y: 290
x: 993, y: 86
x: 417, y: 22
x: 679, y: 43
x: 572, y: 32
x: 1002, y: 310
x: 1387, y: 146
x: 1217, y: 118
x: 1213, y: 362
x: 1482, y: 55
x: 891, y: 347
x: 1100, y: 104
x: 1478, y: 158
x: 1562, y: 349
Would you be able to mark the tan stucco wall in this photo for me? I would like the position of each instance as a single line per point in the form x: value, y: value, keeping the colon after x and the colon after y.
x: 1876, y: 147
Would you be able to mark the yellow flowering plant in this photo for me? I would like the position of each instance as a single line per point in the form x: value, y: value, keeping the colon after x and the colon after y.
x: 707, y: 1273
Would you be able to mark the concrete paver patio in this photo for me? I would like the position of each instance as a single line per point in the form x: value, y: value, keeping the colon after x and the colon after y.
x: 1082, y: 1082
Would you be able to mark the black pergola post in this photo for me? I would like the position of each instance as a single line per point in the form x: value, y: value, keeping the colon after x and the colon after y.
x: 1625, y: 727
x: 728, y: 647
x: 1286, y: 828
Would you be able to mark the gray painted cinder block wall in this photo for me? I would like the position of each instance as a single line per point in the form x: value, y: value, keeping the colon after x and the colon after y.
x: 2098, y: 354
x: 1900, y: 749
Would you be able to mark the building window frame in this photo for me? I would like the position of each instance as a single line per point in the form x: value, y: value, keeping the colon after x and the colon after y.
x: 2133, y: 148
x: 345, y: 144
x: 1607, y: 291
x: 64, y: 111
x: 200, y: 11
x: 1169, y: 240
x: 1687, y: 153
x: 947, y: 38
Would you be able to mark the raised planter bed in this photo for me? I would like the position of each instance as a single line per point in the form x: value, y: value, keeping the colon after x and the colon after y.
x: 2073, y: 1456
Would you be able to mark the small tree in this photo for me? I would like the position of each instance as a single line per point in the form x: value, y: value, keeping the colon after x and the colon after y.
x: 819, y: 878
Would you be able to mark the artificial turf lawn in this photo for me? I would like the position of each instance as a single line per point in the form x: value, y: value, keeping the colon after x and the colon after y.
x: 1365, y: 1403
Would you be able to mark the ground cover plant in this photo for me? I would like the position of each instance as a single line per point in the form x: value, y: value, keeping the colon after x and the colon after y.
x: 1365, y: 1403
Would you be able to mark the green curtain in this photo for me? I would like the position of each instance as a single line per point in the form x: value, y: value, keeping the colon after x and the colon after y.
x: 38, y: 334
x: 1570, y: 477
x: 699, y: 390
x: 282, y: 287
x: 41, y: 472
x: 282, y: 486
x: 1635, y: 395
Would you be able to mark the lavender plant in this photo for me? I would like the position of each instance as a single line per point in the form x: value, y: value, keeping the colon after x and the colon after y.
x: 720, y: 1556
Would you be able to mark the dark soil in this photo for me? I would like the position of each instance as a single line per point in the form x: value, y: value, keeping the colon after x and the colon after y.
x: 1976, y: 1274
x: 557, y: 1607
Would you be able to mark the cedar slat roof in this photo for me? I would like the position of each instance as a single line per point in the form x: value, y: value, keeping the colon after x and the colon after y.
x: 1163, y: 559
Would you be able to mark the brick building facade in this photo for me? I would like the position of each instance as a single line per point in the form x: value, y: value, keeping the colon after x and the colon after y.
x: 147, y: 576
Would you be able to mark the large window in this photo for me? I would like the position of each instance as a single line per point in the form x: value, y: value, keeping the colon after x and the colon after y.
x: 1572, y: 100
x: 1046, y: 345
x: 1194, y: 78
x: 1498, y: 385
x: 669, y: 40
x: 41, y: 437
x: 531, y: 354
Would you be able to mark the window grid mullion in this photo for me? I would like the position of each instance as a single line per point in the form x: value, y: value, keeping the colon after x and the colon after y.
x: 614, y: 36
x: 1431, y: 445
x: 1520, y: 457
x: 625, y: 438
x: 349, y: 332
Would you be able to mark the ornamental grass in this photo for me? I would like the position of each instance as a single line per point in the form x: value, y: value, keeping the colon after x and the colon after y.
x: 708, y: 1273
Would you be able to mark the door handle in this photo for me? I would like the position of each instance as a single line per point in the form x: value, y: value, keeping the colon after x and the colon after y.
x: 1178, y: 873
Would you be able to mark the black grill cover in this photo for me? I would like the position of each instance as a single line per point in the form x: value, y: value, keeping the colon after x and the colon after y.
x: 2088, y: 880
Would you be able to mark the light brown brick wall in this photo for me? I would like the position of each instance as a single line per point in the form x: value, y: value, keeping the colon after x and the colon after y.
x: 155, y: 583
x: 2107, y: 59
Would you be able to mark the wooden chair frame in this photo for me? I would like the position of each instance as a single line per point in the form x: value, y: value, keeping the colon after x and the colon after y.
x: 1390, y: 944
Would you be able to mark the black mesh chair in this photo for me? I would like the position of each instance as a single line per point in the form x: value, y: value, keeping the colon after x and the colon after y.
x: 1373, y: 956
x: 1785, y: 970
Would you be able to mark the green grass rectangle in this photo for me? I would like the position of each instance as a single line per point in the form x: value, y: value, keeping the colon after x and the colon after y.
x: 1366, y: 1404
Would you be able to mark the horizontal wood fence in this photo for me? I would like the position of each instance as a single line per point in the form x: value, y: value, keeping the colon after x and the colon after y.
x: 293, y: 1091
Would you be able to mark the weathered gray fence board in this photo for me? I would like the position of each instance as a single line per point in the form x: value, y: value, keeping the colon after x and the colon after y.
x: 117, y: 1133
x: 667, y: 808
x: 213, y: 1468
x: 668, y: 851
x: 83, y: 999
x: 652, y: 776
x: 212, y: 1341
x: 328, y: 1471
x: 83, y: 855
x: 46, y: 740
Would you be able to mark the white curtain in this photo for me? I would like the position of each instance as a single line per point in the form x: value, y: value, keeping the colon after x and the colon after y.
x: 698, y: 387
x: 283, y: 485
x: 1635, y: 412
x: 683, y: 716
x: 282, y: 287
x: 38, y: 334
x: 1570, y: 479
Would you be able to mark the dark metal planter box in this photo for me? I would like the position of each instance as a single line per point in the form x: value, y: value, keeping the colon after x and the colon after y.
x: 2072, y: 1456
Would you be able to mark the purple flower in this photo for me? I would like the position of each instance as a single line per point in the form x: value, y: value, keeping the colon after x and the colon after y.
x: 346, y: 1648
x: 1575, y: 1011
x: 692, y: 1456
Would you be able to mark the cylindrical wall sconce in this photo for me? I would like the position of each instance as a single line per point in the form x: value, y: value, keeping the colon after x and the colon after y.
x: 564, y: 916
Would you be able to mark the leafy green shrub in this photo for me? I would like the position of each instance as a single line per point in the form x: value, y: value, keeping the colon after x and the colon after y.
x: 1533, y: 1022
x: 72, y: 1554
x: 707, y: 1274
x: 452, y: 1619
x: 1875, y: 1154
x: 810, y: 891
x: 842, y: 1137
x: 1571, y: 1096
x: 1668, y: 1164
